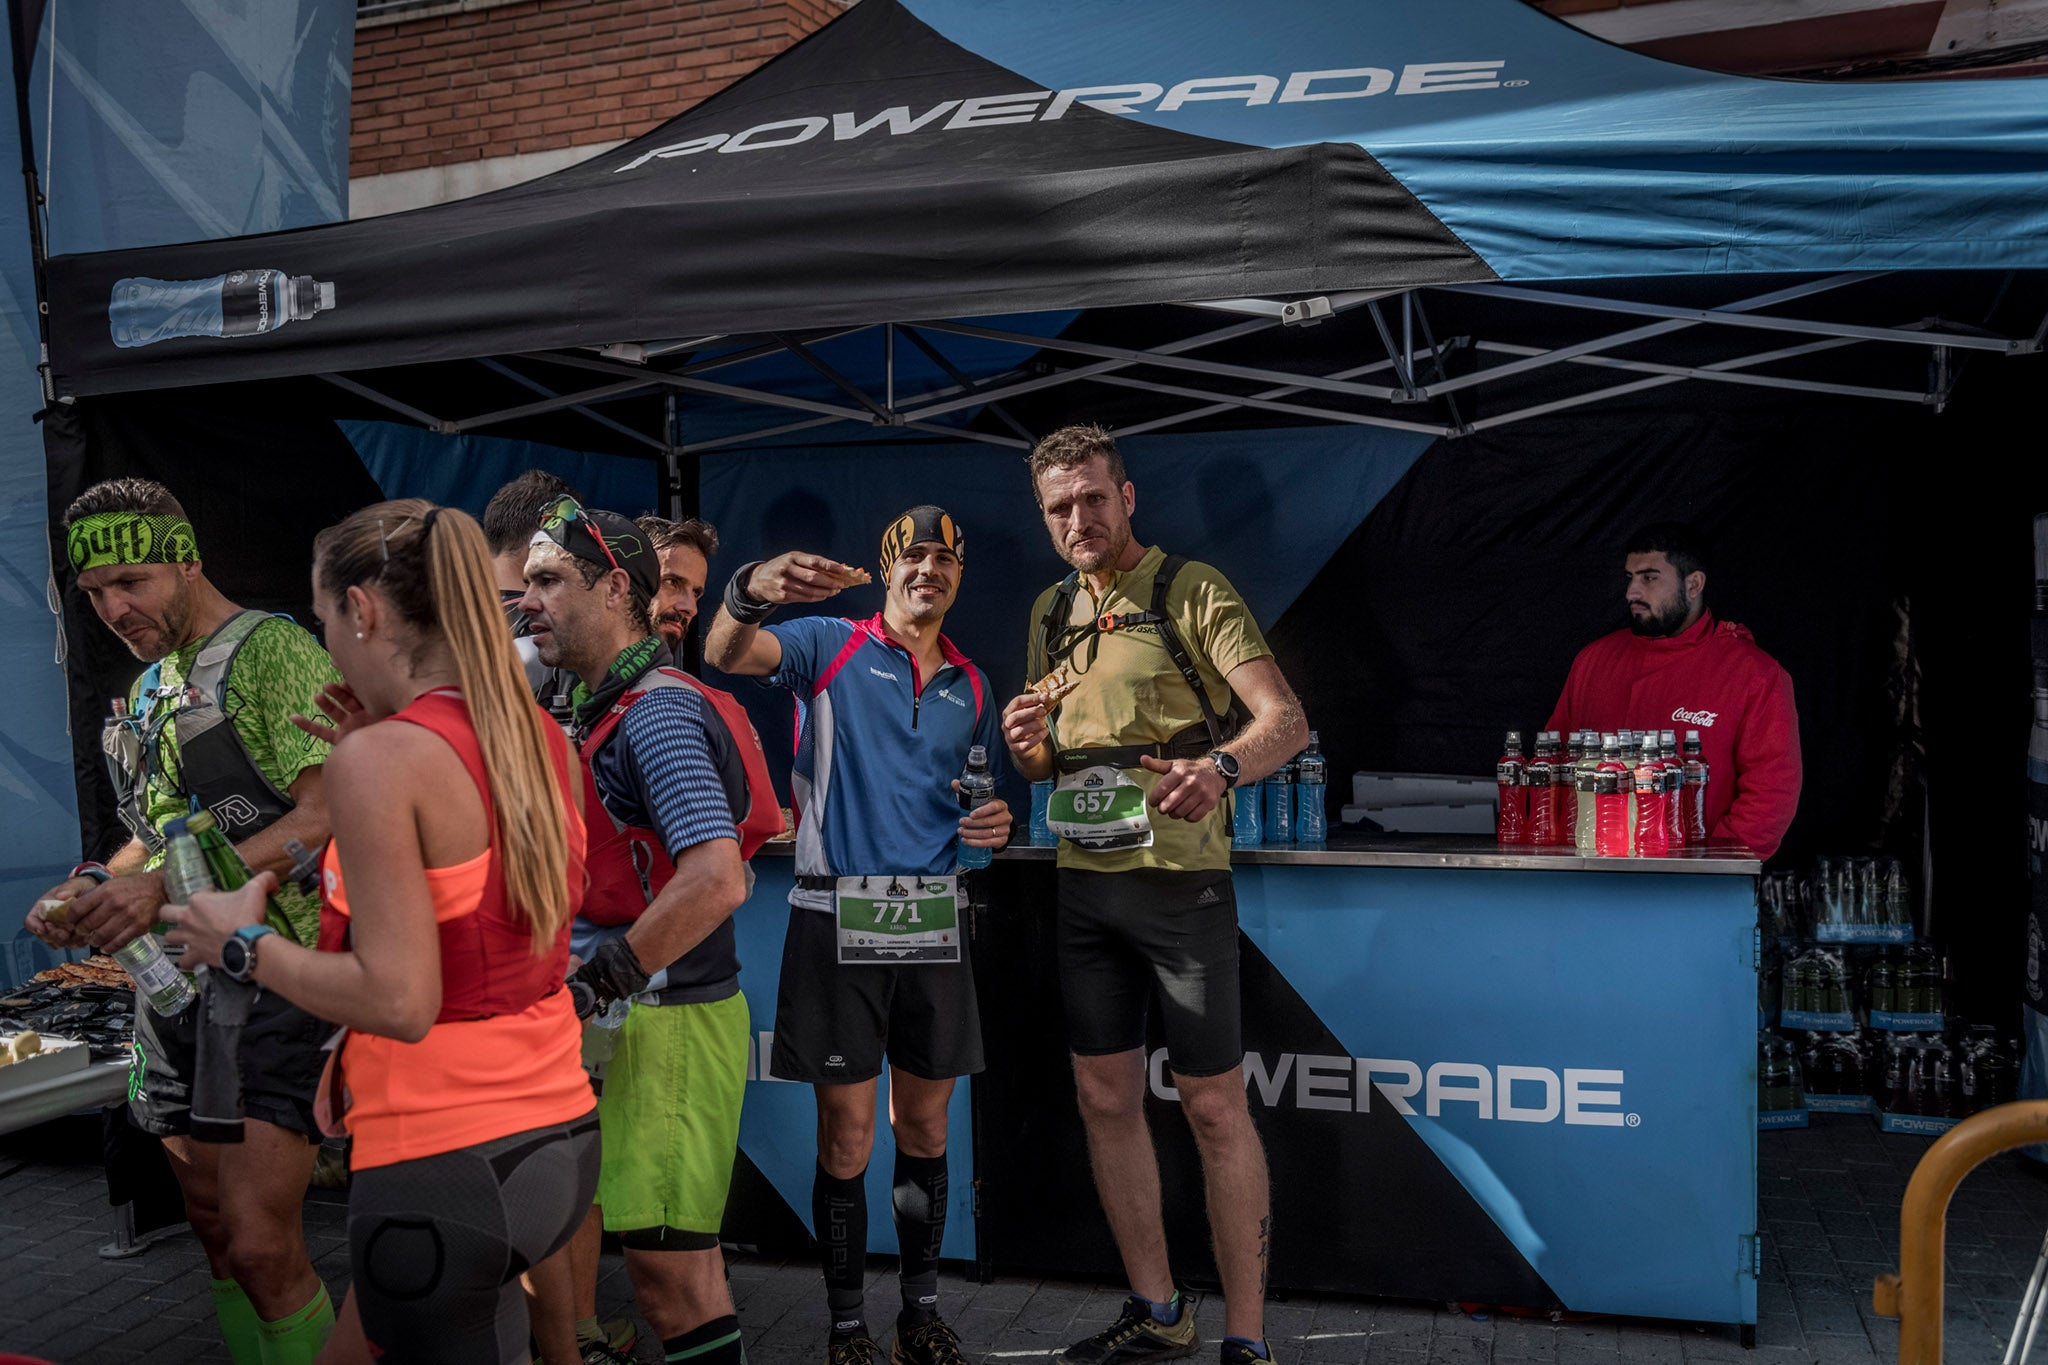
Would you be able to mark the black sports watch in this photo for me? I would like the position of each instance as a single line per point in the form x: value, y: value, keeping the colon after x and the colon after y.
x: 1225, y: 765
x: 238, y: 954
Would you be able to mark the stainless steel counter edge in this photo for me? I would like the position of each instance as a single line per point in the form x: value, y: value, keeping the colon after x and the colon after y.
x: 1435, y: 851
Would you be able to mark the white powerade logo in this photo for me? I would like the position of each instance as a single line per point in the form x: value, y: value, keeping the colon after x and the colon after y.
x: 1048, y: 106
x: 1577, y: 1096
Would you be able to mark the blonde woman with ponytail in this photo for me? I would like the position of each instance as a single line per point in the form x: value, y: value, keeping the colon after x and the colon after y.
x: 455, y: 869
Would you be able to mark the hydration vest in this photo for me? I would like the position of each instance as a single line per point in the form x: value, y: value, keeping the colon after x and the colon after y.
x: 215, y: 768
x: 629, y: 864
x: 1057, y: 642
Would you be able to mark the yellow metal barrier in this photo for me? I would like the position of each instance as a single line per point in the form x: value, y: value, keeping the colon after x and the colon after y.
x: 1914, y: 1295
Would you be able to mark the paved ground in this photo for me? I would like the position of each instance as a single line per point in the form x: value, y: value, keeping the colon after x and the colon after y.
x: 1830, y: 1197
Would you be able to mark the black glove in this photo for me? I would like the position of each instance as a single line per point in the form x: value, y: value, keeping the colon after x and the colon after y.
x: 613, y: 972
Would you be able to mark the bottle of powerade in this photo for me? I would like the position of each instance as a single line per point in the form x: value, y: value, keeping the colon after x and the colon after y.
x: 1041, y: 802
x: 977, y: 789
x: 1310, y: 816
x: 1277, y: 799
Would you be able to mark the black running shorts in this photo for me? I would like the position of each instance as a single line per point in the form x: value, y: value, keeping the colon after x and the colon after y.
x: 436, y: 1245
x: 281, y: 1063
x: 833, y: 1023
x: 1125, y: 937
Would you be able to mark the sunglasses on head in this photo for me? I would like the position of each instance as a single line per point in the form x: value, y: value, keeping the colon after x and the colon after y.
x: 568, y: 512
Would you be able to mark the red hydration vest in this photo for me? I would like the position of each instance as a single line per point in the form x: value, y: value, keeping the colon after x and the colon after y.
x: 488, y: 966
x: 628, y: 864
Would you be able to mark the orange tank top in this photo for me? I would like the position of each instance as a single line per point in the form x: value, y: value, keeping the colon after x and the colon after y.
x: 470, y: 1080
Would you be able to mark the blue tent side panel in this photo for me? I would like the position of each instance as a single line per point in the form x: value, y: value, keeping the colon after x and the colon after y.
x: 463, y: 471
x: 157, y: 109
x: 1555, y: 155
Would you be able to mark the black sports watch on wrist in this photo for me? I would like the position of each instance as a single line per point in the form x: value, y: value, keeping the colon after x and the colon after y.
x: 1225, y: 765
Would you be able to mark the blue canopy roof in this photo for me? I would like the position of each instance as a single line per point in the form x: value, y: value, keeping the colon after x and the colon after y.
x: 1555, y: 155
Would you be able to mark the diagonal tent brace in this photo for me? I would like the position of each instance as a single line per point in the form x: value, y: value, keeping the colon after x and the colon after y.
x: 1398, y: 318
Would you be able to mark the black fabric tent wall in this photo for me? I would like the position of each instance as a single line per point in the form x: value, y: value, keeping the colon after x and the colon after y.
x: 1455, y: 610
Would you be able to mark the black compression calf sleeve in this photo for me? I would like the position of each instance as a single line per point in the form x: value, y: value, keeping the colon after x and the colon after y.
x: 839, y: 1212
x: 717, y: 1342
x: 920, y: 1205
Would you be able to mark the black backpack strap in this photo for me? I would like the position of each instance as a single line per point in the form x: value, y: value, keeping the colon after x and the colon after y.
x: 1169, y: 569
x: 1056, y: 638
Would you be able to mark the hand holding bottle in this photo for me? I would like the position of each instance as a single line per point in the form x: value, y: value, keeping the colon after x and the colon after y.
x: 213, y: 916
x: 109, y: 915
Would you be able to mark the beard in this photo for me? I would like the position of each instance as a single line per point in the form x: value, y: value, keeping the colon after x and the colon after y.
x: 1657, y: 625
x: 673, y: 627
x: 168, y: 634
x: 1114, y: 545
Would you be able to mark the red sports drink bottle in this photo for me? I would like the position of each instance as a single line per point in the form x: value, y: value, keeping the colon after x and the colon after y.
x: 1610, y: 801
x: 1652, y: 834
x: 1692, y: 792
x: 1542, y: 804
x: 1674, y: 780
x: 1511, y: 775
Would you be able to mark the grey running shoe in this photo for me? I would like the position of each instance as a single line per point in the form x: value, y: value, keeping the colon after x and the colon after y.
x: 930, y: 1342
x: 1136, y: 1338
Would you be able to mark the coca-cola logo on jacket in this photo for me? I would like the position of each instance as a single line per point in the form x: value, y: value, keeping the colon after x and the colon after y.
x: 1700, y: 718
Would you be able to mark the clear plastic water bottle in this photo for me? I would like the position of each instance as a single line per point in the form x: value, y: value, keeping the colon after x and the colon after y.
x: 1311, y: 821
x: 240, y: 303
x: 1041, y: 800
x: 1276, y: 801
x: 163, y: 985
x: 977, y: 789
x: 601, y: 1035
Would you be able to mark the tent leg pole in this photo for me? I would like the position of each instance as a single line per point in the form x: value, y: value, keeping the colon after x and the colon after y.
x: 674, y: 457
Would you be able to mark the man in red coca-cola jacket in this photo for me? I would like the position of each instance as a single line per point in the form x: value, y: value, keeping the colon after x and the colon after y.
x: 1676, y: 667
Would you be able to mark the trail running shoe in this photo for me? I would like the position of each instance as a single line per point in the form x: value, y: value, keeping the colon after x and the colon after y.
x: 930, y: 1342
x: 602, y: 1352
x: 860, y: 1350
x: 1135, y: 1338
x: 1237, y: 1353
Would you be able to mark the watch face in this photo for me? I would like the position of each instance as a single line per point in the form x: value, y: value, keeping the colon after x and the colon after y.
x: 234, y: 957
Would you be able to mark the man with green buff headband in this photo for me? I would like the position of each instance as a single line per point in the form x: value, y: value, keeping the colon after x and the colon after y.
x: 213, y: 722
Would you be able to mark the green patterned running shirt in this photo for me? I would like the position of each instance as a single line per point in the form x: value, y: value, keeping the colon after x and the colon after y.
x: 279, y: 670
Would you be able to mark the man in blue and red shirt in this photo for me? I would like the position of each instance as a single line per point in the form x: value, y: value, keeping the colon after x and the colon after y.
x: 875, y: 960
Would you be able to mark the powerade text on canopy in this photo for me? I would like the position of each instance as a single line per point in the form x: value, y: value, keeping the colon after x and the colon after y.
x: 971, y: 111
x: 1133, y: 693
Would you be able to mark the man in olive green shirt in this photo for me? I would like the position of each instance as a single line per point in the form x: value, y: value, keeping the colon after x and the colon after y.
x: 1145, y: 899
x: 136, y: 560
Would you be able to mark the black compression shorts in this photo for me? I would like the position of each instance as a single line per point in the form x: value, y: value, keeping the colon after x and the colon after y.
x: 1125, y: 937
x: 281, y: 1063
x: 437, y: 1244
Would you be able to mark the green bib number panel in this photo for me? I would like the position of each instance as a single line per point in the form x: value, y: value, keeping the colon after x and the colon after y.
x: 898, y: 919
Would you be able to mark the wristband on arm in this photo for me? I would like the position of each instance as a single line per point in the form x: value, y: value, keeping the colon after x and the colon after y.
x: 741, y: 605
x: 95, y: 871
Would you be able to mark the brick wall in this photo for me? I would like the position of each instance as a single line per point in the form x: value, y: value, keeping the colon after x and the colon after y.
x: 545, y: 74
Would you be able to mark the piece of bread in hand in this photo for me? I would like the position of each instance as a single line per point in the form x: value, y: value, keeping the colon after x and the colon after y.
x: 1055, y: 685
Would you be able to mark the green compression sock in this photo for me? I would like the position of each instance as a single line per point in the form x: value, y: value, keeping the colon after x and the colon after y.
x: 296, y: 1338
x: 238, y: 1323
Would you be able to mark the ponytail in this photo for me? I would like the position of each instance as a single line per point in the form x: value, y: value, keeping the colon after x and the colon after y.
x: 432, y: 565
x: 532, y: 823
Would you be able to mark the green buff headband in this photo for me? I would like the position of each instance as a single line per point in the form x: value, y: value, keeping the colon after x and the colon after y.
x: 102, y: 538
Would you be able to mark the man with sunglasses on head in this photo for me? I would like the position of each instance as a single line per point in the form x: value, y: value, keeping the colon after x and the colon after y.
x: 656, y: 929
x: 510, y: 519
x: 131, y: 546
x: 890, y: 710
